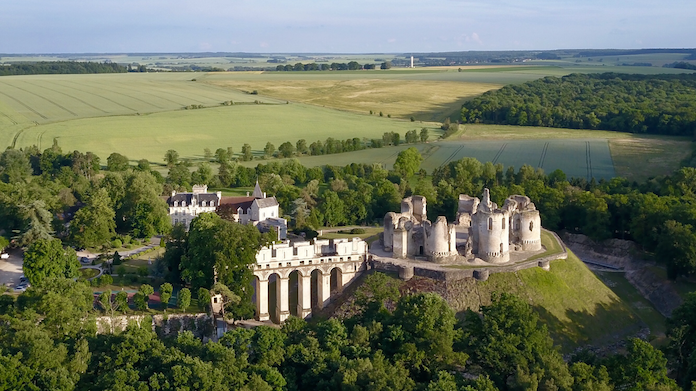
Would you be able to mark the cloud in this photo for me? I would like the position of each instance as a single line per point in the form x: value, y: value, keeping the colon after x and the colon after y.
x: 475, y: 37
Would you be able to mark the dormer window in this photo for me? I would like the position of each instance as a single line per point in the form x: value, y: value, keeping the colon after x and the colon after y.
x: 183, y: 203
x: 203, y: 203
x: 176, y: 203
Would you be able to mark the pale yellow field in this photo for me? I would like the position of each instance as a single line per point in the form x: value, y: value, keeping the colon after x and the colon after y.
x: 423, y: 100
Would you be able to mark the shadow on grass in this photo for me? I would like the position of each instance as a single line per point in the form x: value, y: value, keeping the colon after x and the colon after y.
x: 598, y: 327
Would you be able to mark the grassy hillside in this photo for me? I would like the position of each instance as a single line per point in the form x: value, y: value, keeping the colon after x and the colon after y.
x: 575, y: 305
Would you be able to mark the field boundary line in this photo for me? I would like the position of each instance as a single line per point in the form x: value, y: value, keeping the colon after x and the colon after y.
x: 500, y: 152
x: 101, y: 96
x: 46, y: 99
x: 543, y: 155
x: 73, y: 97
x: 25, y: 105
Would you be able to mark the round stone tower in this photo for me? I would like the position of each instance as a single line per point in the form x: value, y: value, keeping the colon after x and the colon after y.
x: 492, y: 231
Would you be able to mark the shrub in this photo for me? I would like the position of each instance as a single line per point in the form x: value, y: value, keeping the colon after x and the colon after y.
x: 143, y: 271
x: 116, y: 243
x: 357, y: 231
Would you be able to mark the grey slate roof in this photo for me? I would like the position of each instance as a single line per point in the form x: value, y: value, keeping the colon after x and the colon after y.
x: 194, y: 199
x: 266, y: 202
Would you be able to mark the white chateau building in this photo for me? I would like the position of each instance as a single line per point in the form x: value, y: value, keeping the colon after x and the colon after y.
x: 257, y: 209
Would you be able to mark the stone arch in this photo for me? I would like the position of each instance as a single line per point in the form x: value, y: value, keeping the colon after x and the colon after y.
x: 295, y: 293
x: 316, y: 289
x: 274, y: 297
x: 336, y: 276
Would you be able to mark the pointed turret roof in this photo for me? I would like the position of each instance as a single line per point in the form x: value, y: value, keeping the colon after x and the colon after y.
x: 257, y: 191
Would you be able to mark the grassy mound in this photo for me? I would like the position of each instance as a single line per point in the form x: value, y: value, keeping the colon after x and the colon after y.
x: 575, y: 305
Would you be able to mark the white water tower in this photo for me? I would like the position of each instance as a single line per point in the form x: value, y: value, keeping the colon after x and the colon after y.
x: 411, y: 61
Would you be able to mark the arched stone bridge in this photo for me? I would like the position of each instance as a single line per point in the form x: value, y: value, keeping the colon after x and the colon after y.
x: 295, y: 278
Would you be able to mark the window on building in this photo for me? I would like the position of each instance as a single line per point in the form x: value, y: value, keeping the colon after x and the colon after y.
x: 503, y: 222
x: 531, y: 225
x: 203, y: 204
x: 176, y: 221
x: 176, y: 203
x: 183, y: 203
x: 501, y: 249
x: 490, y: 223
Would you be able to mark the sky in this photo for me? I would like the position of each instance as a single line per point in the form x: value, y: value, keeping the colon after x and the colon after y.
x: 349, y: 26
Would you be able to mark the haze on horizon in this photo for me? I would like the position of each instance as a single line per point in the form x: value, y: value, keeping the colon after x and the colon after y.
x: 359, y: 26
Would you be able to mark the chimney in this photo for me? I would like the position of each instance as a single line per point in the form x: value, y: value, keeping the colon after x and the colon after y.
x: 247, y: 194
x: 264, y: 194
x: 219, y: 195
x: 173, y: 193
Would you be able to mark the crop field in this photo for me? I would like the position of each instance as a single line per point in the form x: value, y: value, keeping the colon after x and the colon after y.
x: 581, y: 158
x: 423, y: 100
x: 190, y: 131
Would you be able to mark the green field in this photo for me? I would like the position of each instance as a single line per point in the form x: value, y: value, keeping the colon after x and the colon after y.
x: 142, y: 116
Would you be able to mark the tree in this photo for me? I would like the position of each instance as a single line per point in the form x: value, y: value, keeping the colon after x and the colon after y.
x: 332, y: 208
x: 203, y: 298
x: 94, y: 224
x: 677, y: 246
x: 221, y: 156
x: 301, y: 146
x: 506, y: 340
x: 37, y: 220
x: 143, y: 165
x: 385, y: 65
x: 207, y: 154
x: 246, y: 153
x: 642, y: 368
x: 681, y: 349
x: 142, y: 211
x: 165, y: 294
x: 286, y: 149
x: 142, y: 297
x: 407, y: 162
x: 14, y: 166
x: 46, y: 258
x: 424, y: 135
x: 411, y: 137
x: 121, y: 301
x: 446, y: 124
x: 116, y: 162
x: 171, y: 157
x: 269, y: 149
x: 183, y: 299
x: 62, y: 302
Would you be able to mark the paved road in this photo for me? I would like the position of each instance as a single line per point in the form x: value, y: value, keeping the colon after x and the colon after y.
x: 11, y: 269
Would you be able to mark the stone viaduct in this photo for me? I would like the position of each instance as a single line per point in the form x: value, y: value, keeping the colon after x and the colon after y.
x: 295, y: 278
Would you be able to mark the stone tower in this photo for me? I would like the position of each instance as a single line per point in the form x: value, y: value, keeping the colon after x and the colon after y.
x: 491, y: 231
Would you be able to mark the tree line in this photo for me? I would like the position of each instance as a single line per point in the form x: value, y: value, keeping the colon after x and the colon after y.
x: 60, y: 67
x: 335, y: 66
x: 656, y: 104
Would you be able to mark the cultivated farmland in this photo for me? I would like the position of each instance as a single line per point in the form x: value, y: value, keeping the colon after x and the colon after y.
x: 582, y: 158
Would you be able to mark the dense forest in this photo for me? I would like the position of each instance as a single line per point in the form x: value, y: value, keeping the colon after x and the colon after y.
x: 60, y: 67
x: 395, y: 341
x: 656, y: 104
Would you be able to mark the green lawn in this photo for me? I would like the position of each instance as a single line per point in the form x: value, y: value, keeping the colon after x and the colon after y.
x: 369, y: 231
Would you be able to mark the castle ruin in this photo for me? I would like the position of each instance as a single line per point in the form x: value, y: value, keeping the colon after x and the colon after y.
x: 482, y: 230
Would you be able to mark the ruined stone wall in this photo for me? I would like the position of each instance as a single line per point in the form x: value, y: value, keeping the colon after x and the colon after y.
x: 200, y: 324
